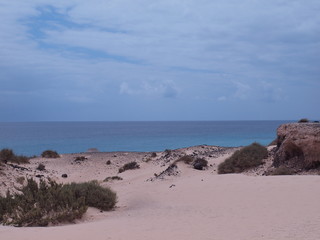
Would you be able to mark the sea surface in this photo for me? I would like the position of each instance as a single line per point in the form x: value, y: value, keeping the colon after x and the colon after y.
x: 32, y: 138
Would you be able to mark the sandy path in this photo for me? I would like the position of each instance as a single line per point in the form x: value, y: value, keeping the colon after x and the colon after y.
x: 201, y: 205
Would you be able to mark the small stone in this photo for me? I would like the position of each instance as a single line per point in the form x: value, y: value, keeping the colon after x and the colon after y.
x: 64, y: 175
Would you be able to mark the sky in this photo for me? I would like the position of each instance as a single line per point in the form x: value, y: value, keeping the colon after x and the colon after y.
x: 147, y: 60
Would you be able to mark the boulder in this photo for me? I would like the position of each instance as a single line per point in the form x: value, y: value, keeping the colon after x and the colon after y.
x: 298, y: 146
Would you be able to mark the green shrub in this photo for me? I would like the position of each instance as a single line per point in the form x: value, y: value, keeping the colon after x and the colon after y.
x: 41, y: 204
x: 282, y: 170
x: 45, y: 203
x: 95, y: 195
x: 7, y: 155
x: 129, y: 166
x: 50, y: 154
x: 245, y: 158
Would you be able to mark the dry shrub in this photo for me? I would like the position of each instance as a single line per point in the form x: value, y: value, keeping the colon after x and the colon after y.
x: 41, y: 167
x: 245, y: 158
x: 50, y: 154
x: 107, y: 179
x: 200, y: 164
x: 129, y: 166
x: 45, y: 203
x: 7, y: 155
x: 303, y: 120
x: 187, y: 159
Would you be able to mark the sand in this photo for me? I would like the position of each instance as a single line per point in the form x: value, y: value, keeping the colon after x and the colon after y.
x: 192, y: 204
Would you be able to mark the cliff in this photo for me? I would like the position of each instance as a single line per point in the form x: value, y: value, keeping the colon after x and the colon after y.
x: 298, y: 146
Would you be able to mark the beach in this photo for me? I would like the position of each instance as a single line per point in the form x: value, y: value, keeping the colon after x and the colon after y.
x: 184, y: 204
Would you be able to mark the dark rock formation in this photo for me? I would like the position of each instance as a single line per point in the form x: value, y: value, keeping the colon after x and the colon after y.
x: 298, y: 146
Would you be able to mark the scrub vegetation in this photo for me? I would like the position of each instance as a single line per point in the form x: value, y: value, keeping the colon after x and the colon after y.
x: 243, y: 159
x: 44, y: 203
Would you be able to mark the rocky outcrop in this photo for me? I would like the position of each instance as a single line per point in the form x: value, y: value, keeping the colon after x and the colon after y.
x: 298, y: 146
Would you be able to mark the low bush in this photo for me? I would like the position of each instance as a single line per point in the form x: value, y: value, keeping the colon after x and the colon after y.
x: 200, y: 164
x: 245, y: 158
x: 50, y: 154
x: 282, y: 170
x: 187, y: 159
x: 95, y: 195
x: 153, y: 155
x: 303, y: 120
x: 45, y: 203
x: 7, y: 155
x: 129, y: 166
x: 41, y: 204
x: 41, y: 167
x: 80, y: 158
x: 107, y: 179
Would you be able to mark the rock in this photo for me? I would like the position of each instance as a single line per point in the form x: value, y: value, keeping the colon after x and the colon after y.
x: 298, y: 146
x: 64, y: 175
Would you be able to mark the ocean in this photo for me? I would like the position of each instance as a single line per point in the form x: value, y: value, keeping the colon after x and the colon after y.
x: 32, y: 138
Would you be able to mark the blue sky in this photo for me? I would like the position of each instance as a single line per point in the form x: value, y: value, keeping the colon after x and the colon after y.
x: 159, y: 60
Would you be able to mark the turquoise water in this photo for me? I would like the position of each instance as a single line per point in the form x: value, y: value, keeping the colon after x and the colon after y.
x: 68, y: 137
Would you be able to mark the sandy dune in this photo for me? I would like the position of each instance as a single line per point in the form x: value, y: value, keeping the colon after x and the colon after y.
x: 193, y: 205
